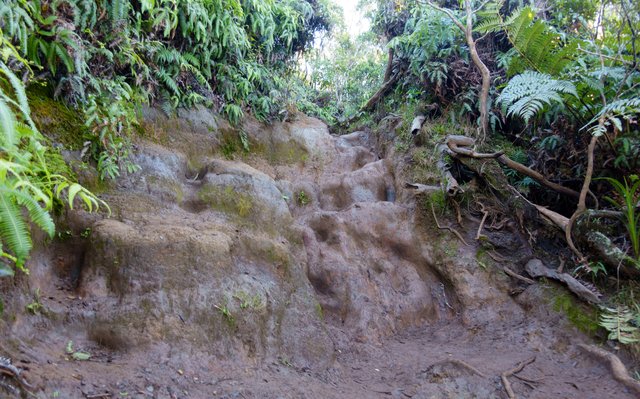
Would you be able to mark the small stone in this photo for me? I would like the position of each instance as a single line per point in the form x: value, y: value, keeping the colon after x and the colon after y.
x: 150, y: 389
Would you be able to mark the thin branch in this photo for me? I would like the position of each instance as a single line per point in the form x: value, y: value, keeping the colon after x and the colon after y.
x: 481, y: 6
x: 485, y: 213
x: 446, y: 11
x: 454, y: 231
x: 515, y: 275
x: 608, y: 57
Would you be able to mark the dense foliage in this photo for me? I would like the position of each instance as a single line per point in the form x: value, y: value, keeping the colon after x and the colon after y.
x: 29, y: 183
x: 345, y: 72
x: 108, y: 56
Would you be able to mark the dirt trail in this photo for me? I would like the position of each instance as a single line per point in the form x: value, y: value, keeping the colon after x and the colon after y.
x: 302, y: 271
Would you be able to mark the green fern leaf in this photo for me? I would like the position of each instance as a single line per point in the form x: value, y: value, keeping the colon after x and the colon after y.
x: 37, y: 214
x: 7, y: 123
x: 21, y: 95
x: 527, y: 93
x: 618, y: 323
x: 13, y: 229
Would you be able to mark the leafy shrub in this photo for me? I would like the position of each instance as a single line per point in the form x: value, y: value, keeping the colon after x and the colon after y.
x: 28, y: 188
x: 223, y: 53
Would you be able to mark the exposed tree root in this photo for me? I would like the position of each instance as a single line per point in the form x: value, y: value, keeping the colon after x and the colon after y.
x: 515, y: 275
x: 461, y: 148
x: 460, y: 145
x: 485, y: 213
x: 618, y: 369
x: 496, y: 257
x: 454, y: 231
x: 422, y: 188
x: 452, y: 187
x: 582, y: 202
x: 529, y: 380
x: 9, y: 370
x: 505, y: 376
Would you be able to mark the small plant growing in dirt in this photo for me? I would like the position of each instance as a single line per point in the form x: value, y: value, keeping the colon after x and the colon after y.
x: 244, y: 206
x: 247, y: 301
x: 593, y: 269
x: 64, y: 235
x: 226, y: 314
x: 284, y: 361
x: 35, y: 307
x: 626, y: 202
x: 76, y: 355
x: 303, y: 198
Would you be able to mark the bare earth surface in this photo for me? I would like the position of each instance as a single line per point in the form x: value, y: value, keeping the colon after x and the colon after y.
x: 303, y: 270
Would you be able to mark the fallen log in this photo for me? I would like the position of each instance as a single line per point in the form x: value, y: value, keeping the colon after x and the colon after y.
x: 382, y: 91
x: 609, y: 253
x: 536, y: 269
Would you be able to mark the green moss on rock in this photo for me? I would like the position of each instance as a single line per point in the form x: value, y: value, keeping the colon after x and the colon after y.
x: 583, y: 317
x: 227, y: 200
x: 57, y: 121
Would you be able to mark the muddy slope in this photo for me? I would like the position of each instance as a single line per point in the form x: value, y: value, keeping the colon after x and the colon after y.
x: 301, y: 270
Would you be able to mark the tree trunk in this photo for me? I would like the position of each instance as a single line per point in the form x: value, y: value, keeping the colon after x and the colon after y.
x: 484, y: 71
x: 386, y: 87
x: 389, y: 70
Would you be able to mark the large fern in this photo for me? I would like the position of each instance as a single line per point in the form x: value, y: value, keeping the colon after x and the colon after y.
x: 527, y: 94
x: 13, y: 229
x: 539, y: 46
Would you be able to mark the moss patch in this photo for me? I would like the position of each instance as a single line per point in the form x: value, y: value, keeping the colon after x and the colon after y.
x: 583, y: 317
x: 287, y: 153
x: 227, y: 200
x: 54, y: 119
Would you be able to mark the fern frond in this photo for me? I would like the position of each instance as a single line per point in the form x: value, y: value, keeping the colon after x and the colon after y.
x: 494, y: 24
x: 37, y: 214
x: 626, y: 108
x: 13, y: 229
x: 527, y: 93
x: 20, y: 93
x: 618, y: 322
x: 7, y: 124
x: 538, y: 44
